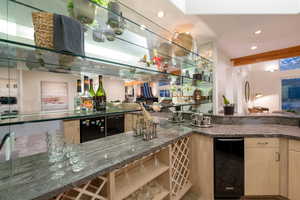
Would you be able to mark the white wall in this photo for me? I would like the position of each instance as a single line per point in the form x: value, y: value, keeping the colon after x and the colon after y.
x: 269, y: 84
x: 223, y: 80
x: 114, y: 88
x: 31, y: 91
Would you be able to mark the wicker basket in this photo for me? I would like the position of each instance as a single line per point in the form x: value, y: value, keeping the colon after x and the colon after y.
x: 43, y: 23
x: 183, y: 40
x: 43, y: 29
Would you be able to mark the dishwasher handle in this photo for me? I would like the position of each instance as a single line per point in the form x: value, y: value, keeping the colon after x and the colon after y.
x: 230, y: 140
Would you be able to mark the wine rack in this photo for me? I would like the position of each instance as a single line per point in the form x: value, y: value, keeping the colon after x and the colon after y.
x: 164, y: 174
x: 180, y: 171
x: 92, y: 190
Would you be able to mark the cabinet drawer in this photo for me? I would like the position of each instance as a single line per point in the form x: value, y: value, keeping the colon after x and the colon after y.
x: 262, y: 142
x: 294, y: 145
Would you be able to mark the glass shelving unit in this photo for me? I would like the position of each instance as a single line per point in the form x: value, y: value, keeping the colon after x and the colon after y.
x: 121, y: 59
x: 19, y: 51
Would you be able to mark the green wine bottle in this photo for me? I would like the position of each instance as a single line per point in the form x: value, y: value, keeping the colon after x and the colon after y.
x: 100, y: 96
x: 91, y: 91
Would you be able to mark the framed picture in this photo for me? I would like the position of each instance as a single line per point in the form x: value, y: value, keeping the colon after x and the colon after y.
x: 54, y: 96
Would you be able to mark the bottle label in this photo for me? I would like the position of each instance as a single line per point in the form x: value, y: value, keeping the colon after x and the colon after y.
x: 100, y: 103
x: 87, y: 104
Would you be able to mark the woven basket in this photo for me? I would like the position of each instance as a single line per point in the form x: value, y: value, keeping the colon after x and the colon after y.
x: 183, y: 40
x: 43, y: 23
x: 43, y: 29
x: 165, y: 51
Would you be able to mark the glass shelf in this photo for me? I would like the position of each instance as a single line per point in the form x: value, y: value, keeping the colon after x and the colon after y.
x: 42, y: 59
x: 58, y: 115
x: 6, y: 120
x: 141, y: 41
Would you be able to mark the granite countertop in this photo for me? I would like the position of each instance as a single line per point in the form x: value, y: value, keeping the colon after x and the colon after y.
x: 250, y: 130
x: 254, y: 115
x: 32, y: 179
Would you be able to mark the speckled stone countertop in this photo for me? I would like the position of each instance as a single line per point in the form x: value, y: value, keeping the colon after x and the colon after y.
x: 32, y: 178
x: 32, y: 175
x: 250, y: 130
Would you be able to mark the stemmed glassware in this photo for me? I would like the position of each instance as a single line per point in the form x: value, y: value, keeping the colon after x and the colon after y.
x: 62, y: 154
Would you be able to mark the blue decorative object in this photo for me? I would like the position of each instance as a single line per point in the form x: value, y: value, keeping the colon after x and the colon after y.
x: 289, y: 63
x: 291, y: 94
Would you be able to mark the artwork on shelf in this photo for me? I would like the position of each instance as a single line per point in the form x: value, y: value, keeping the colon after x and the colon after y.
x: 289, y: 63
x: 54, y: 96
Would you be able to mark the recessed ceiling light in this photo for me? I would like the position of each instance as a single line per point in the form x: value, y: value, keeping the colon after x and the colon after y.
x: 257, y: 32
x: 160, y: 14
x: 254, y: 47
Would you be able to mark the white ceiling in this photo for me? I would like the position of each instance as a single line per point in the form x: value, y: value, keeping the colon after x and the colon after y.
x: 174, y: 19
x: 234, y: 34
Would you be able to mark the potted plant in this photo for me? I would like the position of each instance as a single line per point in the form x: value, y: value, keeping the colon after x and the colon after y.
x: 228, y: 107
x: 115, y: 18
x: 84, y: 10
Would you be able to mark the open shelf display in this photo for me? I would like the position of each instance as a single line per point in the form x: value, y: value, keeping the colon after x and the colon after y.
x: 128, y: 48
x: 119, y: 58
x: 134, y: 181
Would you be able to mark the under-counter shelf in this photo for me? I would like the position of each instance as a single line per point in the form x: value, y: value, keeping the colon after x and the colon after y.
x: 132, y: 179
x: 161, y: 195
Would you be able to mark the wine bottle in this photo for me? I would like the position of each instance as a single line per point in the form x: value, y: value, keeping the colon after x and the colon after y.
x: 91, y: 90
x: 77, y: 98
x: 100, y: 96
x: 87, y: 100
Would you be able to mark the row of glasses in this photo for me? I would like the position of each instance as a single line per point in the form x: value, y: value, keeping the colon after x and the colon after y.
x: 56, y: 153
x: 62, y: 154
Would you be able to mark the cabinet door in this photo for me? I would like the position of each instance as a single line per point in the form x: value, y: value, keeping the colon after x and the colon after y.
x: 72, y: 131
x: 262, y: 171
x: 294, y: 175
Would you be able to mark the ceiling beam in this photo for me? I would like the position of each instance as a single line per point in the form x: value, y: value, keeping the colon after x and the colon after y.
x: 267, y: 56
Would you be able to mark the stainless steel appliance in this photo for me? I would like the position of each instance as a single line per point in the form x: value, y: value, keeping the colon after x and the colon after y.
x: 228, y: 168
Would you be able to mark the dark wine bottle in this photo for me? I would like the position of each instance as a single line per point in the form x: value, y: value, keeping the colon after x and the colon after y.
x: 100, y: 96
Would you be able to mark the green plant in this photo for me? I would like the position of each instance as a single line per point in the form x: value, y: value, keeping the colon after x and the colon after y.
x: 103, y: 3
x: 226, y: 101
x: 70, y: 4
x: 70, y: 7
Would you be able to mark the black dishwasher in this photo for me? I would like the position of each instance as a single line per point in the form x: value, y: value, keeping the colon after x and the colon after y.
x: 92, y: 128
x: 228, y: 168
x: 115, y: 124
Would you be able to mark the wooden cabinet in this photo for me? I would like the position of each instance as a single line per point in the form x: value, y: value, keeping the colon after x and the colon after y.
x: 262, y: 166
x: 130, y: 120
x: 294, y: 170
x: 72, y: 131
x: 202, y: 166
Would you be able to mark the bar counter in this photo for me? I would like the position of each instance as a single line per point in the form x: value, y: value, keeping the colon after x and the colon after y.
x: 32, y: 178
